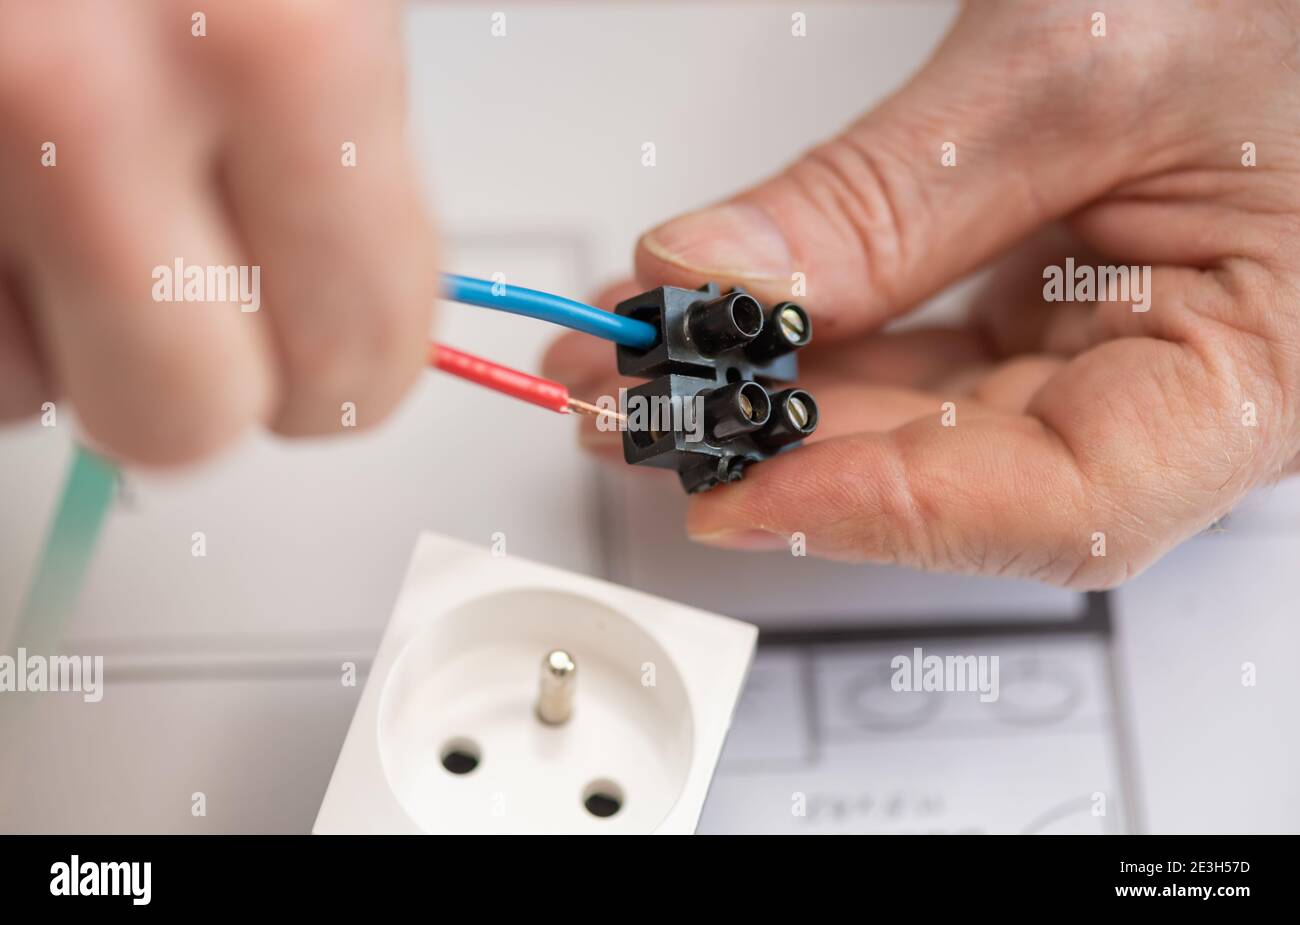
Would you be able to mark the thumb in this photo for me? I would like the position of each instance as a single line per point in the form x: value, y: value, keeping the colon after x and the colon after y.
x: 983, y: 145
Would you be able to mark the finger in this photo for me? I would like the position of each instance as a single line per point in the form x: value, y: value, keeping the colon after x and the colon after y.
x: 25, y: 383
x: 920, y: 496
x: 1009, y: 310
x: 1091, y: 299
x: 1142, y: 462
x: 1012, y: 386
x: 875, y: 221
x: 324, y: 193
x: 1024, y: 321
x: 915, y: 358
x: 153, y: 381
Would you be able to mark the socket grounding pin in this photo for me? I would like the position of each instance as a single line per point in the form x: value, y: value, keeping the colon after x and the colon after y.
x: 555, y: 687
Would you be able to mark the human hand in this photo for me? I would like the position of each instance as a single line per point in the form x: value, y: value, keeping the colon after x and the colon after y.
x: 1083, y: 439
x: 131, y: 142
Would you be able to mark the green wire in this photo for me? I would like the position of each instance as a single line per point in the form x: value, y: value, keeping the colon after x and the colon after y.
x: 87, y: 496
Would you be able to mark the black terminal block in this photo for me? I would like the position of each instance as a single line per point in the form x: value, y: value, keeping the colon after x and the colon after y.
x: 719, y: 397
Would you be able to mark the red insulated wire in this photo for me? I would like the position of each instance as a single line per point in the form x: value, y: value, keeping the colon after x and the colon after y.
x: 499, y: 378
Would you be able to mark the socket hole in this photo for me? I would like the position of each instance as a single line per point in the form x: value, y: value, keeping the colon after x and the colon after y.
x: 733, y: 374
x: 747, y: 314
x: 460, y: 756
x: 603, y: 798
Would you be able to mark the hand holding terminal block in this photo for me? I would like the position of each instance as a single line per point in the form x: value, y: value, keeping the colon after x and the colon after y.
x: 726, y: 352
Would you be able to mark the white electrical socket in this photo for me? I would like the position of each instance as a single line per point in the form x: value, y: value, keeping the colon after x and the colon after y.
x: 446, y: 737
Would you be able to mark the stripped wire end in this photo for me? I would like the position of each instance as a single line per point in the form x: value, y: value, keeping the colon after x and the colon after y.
x: 579, y: 406
x: 533, y: 389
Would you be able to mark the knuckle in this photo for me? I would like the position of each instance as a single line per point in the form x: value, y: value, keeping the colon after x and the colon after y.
x: 184, y: 424
x: 899, y: 525
x: 281, y: 38
x: 1045, y: 72
x: 373, y: 358
x: 55, y: 89
x: 864, y: 194
x: 1109, y: 539
x: 317, y: 20
x: 365, y: 338
x: 322, y: 358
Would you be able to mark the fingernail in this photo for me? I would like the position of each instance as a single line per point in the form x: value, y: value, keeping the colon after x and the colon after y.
x: 752, y: 540
x: 735, y: 240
